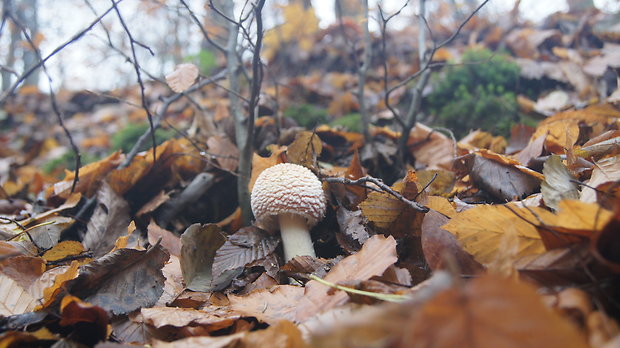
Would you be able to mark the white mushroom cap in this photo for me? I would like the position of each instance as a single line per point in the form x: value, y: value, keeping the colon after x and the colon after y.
x: 287, y: 188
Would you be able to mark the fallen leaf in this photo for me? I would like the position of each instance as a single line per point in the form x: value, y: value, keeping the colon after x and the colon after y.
x: 224, y: 152
x: 559, y: 184
x: 180, y: 317
x: 605, y: 170
x: 480, y: 230
x: 471, y: 315
x: 438, y: 245
x: 199, y: 245
x: 14, y: 299
x: 305, y: 149
x: 64, y: 249
x: 284, y: 334
x: 182, y: 77
x: 133, y: 279
x: 46, y: 233
x: 352, y: 225
x: 91, y: 322
x: 269, y: 305
x: 51, y: 293
x: 108, y: 222
x: 243, y: 247
x: 169, y: 240
x: 377, y: 254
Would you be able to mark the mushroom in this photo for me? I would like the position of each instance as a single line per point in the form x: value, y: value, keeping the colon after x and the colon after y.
x: 292, y: 196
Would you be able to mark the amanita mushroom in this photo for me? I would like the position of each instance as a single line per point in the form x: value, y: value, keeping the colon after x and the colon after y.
x: 292, y: 196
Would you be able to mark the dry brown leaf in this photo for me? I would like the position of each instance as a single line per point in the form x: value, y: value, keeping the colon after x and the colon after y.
x: 169, y: 240
x: 377, y: 254
x: 383, y: 209
x: 480, y: 230
x: 305, y: 149
x: 438, y: 245
x: 225, y: 153
x: 180, y: 317
x: 182, y: 77
x: 51, y: 293
x: 430, y: 148
x: 269, y: 305
x: 14, y: 299
x: 471, y: 315
x: 91, y: 176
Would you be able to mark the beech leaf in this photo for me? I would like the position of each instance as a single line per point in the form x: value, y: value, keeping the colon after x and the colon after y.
x: 557, y: 184
x: 199, y: 243
x: 245, y: 246
x: 108, y: 222
x: 122, y: 281
x: 182, y: 77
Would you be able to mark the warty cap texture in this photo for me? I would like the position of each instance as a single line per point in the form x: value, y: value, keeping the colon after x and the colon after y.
x: 287, y: 188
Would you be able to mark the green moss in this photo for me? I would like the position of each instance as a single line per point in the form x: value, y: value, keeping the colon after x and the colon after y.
x: 204, y: 59
x: 480, y: 93
x: 307, y: 115
x: 352, y: 122
x: 67, y: 161
x: 128, y: 136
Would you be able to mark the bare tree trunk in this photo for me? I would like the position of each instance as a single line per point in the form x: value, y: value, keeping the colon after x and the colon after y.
x: 27, y: 14
x: 416, y: 101
x: 362, y: 72
x: 7, y: 6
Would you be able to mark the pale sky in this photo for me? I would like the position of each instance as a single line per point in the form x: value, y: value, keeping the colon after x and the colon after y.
x: 83, y: 64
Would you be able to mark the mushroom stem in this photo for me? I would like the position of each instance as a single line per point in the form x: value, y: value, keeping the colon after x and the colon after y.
x: 295, y: 236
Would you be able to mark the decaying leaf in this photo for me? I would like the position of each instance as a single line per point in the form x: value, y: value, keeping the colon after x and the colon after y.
x: 182, y: 77
x: 558, y: 184
x: 133, y: 279
x: 245, y: 246
x: 47, y: 233
x: 353, y: 225
x: 199, y: 245
x: 108, y: 222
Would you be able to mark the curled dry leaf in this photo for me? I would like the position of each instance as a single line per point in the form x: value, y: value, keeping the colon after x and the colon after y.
x: 182, y: 77
x: 180, y: 317
x: 558, y: 184
x: 199, y: 245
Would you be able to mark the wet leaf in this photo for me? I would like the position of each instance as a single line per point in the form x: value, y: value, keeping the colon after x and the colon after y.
x: 199, y: 245
x: 108, y: 222
x: 558, y: 184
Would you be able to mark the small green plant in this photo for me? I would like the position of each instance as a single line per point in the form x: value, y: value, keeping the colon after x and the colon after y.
x: 128, y: 136
x: 67, y: 161
x: 352, y: 122
x: 307, y: 115
x: 205, y: 60
x: 480, y: 93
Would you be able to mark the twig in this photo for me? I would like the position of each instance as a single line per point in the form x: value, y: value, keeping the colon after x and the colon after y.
x: 415, y: 205
x: 202, y: 29
x: 136, y: 65
x: 55, y: 108
x: 73, y: 39
x: 161, y: 114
